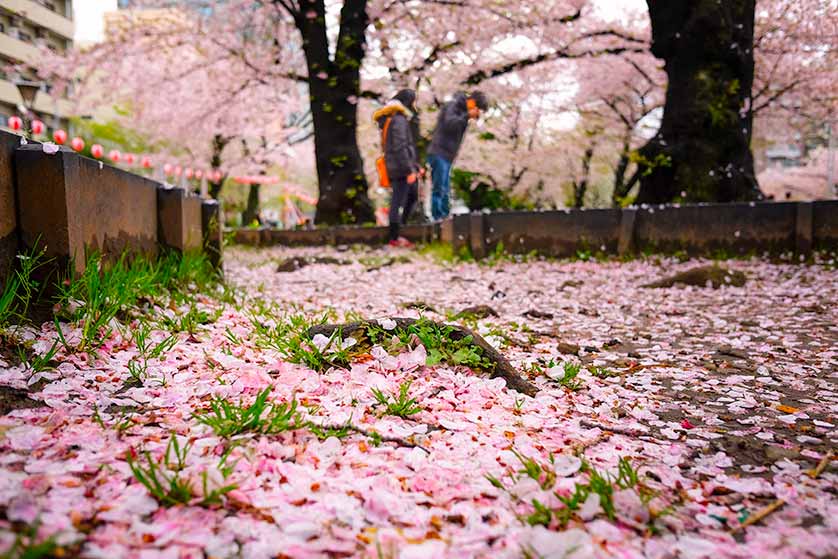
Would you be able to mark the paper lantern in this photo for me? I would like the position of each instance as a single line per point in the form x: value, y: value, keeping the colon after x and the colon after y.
x: 189, y: 173
x: 199, y: 174
x: 60, y: 137
x: 178, y: 170
x: 38, y: 127
x: 97, y: 151
x: 77, y: 144
x: 15, y: 123
x: 130, y: 158
x: 114, y: 155
x: 146, y: 162
x: 168, y: 169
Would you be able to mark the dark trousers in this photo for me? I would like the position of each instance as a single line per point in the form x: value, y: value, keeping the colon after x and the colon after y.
x: 402, y: 204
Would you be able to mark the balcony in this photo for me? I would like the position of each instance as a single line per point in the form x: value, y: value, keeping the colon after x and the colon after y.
x: 40, y: 15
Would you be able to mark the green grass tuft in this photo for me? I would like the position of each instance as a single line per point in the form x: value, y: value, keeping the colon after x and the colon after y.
x: 401, y: 404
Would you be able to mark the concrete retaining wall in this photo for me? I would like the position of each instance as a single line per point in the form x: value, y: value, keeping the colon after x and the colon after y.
x: 8, y: 206
x: 696, y: 229
x: 825, y: 225
x: 737, y: 228
x: 556, y: 233
x: 72, y: 205
x: 178, y: 219
x: 331, y: 236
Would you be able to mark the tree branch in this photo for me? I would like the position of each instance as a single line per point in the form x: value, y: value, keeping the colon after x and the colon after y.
x: 483, y: 75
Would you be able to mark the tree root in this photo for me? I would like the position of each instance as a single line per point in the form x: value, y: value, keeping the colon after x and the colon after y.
x: 759, y: 515
x: 779, y: 503
x: 500, y: 368
x: 611, y: 428
x: 814, y: 474
x: 371, y: 434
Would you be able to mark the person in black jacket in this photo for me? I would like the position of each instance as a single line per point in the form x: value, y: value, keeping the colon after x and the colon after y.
x: 448, y: 137
x: 401, y: 158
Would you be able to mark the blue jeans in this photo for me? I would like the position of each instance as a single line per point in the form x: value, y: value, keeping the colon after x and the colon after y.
x: 441, y: 177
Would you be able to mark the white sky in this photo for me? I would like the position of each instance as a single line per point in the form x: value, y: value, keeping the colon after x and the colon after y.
x: 89, y: 18
x: 89, y: 14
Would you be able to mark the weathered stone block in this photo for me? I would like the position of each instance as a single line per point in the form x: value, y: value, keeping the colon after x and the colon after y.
x: 625, y: 244
x: 477, y: 235
x: 455, y: 231
x: 418, y: 233
x: 554, y: 233
x: 702, y: 229
x: 73, y: 205
x: 803, y: 228
x: 249, y: 237
x: 8, y: 207
x: 213, y: 235
x: 825, y: 224
x: 178, y: 219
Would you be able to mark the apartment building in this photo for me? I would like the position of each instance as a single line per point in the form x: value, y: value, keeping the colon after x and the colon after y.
x: 26, y: 26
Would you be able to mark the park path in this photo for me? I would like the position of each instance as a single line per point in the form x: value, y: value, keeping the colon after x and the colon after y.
x: 739, y: 385
x: 720, y: 401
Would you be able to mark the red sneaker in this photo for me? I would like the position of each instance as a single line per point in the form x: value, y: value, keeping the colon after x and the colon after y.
x: 404, y: 243
x: 394, y: 244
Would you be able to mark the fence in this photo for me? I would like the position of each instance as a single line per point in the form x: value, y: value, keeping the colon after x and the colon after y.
x: 739, y: 228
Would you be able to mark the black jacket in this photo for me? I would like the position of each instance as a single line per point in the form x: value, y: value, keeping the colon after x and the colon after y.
x: 400, y: 152
x: 450, y: 128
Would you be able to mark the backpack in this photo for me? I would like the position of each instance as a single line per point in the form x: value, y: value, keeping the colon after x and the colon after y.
x: 381, y: 163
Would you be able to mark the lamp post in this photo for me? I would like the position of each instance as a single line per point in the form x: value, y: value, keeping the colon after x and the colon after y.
x: 28, y: 92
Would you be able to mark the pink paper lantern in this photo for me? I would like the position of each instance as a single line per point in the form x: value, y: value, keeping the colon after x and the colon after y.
x: 168, y: 169
x: 130, y: 158
x: 77, y: 144
x: 189, y: 173
x: 15, y: 123
x: 146, y: 162
x: 60, y: 137
x: 199, y: 174
x: 178, y: 170
x: 97, y: 151
x: 38, y: 127
x: 114, y: 155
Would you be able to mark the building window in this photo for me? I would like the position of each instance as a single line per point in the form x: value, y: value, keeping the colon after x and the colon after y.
x: 25, y: 37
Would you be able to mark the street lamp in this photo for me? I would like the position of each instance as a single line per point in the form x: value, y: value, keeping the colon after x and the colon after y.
x: 28, y: 92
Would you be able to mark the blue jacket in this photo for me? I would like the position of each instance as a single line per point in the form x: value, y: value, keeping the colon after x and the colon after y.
x: 450, y: 128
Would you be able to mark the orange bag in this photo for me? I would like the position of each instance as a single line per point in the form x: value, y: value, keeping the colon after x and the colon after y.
x: 381, y: 163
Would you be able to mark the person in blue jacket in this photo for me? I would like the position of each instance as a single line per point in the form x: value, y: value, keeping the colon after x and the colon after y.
x: 447, y: 140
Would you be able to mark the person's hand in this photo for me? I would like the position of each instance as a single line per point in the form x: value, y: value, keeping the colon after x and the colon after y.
x: 422, y: 173
x: 411, y: 178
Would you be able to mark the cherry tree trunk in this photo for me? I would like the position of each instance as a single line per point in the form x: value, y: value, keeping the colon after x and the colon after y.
x: 702, y: 152
x: 340, y: 169
x: 251, y: 211
x: 335, y: 87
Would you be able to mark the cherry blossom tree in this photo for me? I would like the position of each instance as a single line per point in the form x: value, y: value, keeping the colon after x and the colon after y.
x: 175, y: 78
x: 773, y: 60
x: 208, y: 75
x: 794, y: 87
x: 256, y: 49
